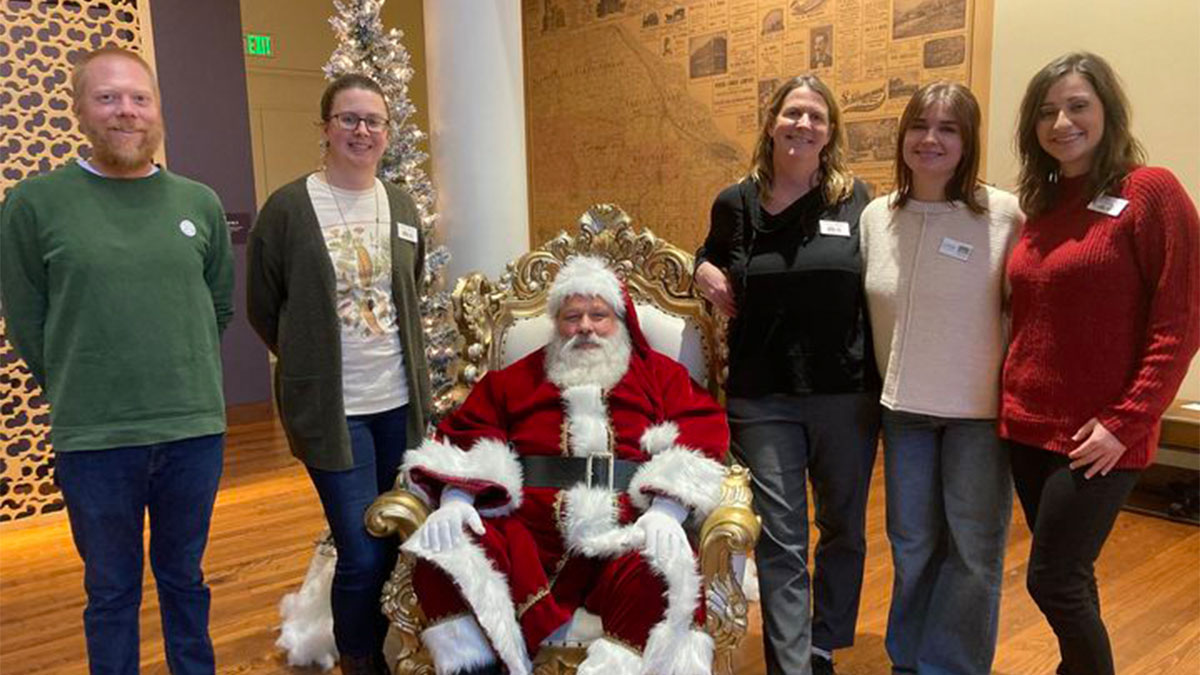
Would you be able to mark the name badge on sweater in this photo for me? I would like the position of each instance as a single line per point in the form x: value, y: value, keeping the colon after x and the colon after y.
x: 406, y: 232
x: 1108, y: 205
x: 835, y: 228
x: 956, y: 249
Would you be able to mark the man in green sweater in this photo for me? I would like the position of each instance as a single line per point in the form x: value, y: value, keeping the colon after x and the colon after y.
x: 116, y: 279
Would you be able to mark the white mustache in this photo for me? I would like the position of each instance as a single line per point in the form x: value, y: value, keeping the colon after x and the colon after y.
x: 580, y: 340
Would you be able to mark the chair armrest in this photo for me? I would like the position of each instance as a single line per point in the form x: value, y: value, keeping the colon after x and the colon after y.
x: 396, y: 512
x: 399, y: 512
x: 732, y: 529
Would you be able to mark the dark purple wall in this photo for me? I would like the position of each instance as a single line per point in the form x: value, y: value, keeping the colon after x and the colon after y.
x: 198, y: 55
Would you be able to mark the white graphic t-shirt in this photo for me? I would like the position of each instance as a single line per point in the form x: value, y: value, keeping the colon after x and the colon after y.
x: 357, y: 229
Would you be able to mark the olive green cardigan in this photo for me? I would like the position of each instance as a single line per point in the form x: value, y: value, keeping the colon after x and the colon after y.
x: 291, y: 304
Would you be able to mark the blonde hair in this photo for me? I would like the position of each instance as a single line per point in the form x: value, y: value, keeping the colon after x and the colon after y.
x: 837, y: 183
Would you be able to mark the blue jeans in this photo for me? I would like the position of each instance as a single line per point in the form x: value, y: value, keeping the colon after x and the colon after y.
x: 949, y: 501
x: 107, y: 493
x: 363, y: 562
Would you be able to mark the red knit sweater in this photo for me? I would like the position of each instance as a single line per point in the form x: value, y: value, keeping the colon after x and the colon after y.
x: 1105, y: 316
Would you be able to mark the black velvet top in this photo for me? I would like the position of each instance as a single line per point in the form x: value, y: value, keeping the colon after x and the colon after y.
x: 801, y: 325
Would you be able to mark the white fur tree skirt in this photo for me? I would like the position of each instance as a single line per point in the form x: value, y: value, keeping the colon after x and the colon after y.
x: 306, y: 634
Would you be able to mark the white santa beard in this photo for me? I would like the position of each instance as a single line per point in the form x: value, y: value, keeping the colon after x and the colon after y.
x: 605, y: 365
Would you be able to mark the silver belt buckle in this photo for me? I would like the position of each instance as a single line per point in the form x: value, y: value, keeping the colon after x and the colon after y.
x: 608, y: 457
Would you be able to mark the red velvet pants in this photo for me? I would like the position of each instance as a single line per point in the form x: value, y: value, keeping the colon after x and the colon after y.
x: 625, y: 592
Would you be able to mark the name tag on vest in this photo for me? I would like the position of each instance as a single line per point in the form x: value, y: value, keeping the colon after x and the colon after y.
x: 406, y: 232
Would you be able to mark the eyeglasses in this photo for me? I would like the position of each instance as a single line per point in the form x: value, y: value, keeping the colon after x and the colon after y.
x: 349, y: 121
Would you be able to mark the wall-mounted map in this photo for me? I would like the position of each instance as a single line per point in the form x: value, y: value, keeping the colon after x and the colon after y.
x: 655, y: 105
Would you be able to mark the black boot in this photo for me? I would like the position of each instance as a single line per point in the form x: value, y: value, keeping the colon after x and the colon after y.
x: 822, y: 665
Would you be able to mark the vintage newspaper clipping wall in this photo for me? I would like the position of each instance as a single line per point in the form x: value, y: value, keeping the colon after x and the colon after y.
x: 654, y: 105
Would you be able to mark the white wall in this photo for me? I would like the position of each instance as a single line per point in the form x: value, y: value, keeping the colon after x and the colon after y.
x: 1155, y: 47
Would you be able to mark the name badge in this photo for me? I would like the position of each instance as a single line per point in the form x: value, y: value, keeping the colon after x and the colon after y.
x: 1108, y: 205
x: 835, y: 228
x: 955, y: 249
x: 406, y: 232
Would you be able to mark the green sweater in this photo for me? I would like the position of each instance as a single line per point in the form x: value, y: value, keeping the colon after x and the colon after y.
x: 115, y: 292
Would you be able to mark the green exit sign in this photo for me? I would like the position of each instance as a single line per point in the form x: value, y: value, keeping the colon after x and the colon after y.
x: 258, y: 45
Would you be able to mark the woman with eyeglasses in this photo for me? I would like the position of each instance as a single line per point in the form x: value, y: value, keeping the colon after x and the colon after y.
x: 334, y: 272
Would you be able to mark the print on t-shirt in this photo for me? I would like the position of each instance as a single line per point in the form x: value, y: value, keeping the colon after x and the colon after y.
x: 362, y: 263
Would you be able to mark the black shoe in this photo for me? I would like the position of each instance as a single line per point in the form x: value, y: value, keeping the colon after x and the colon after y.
x: 822, y: 666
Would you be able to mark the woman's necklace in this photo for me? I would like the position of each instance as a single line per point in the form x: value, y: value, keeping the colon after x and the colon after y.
x: 338, y: 205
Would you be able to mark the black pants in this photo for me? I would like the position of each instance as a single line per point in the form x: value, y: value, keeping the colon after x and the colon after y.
x: 787, y: 442
x: 1070, y: 517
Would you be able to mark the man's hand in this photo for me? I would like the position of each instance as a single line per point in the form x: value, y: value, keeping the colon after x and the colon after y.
x: 713, y: 284
x: 443, y: 530
x: 662, y: 524
x: 1101, y: 449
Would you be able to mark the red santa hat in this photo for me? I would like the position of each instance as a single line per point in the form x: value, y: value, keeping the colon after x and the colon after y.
x: 591, y: 276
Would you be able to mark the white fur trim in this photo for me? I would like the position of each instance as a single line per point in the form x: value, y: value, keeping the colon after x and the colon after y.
x: 682, y: 474
x: 306, y: 630
x: 673, y: 652
x: 590, y: 524
x: 606, y: 657
x: 486, y: 591
x: 586, y: 419
x: 585, y: 275
x: 673, y: 647
x: 458, y: 644
x: 659, y: 437
x: 489, y: 460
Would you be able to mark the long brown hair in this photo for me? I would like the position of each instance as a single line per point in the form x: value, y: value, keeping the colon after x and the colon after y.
x: 963, y: 107
x: 1117, y: 153
x: 837, y: 183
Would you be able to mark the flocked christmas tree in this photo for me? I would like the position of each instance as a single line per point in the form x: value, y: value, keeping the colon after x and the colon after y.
x: 365, y: 48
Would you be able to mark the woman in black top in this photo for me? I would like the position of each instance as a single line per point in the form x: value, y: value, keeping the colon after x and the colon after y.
x: 782, y: 259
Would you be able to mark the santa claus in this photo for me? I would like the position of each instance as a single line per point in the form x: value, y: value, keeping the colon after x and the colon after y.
x: 564, y: 486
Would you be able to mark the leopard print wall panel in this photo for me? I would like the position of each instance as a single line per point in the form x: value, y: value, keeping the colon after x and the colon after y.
x: 39, y: 42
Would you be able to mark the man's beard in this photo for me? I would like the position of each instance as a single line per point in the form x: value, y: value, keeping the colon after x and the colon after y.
x: 124, y: 156
x: 570, y: 365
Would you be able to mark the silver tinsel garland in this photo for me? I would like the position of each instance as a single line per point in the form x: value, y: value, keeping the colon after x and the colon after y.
x: 364, y: 47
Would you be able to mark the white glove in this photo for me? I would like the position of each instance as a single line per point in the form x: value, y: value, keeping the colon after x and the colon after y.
x: 443, y: 529
x: 663, y: 525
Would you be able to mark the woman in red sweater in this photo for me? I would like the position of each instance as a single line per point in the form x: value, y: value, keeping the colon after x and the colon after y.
x: 1105, y: 319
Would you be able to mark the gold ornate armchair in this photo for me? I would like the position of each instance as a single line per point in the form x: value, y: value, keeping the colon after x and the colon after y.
x: 503, y: 320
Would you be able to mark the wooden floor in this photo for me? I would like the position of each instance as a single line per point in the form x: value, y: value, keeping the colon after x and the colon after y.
x: 267, y: 518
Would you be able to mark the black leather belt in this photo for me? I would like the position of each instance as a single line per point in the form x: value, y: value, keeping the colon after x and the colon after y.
x: 567, y: 472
